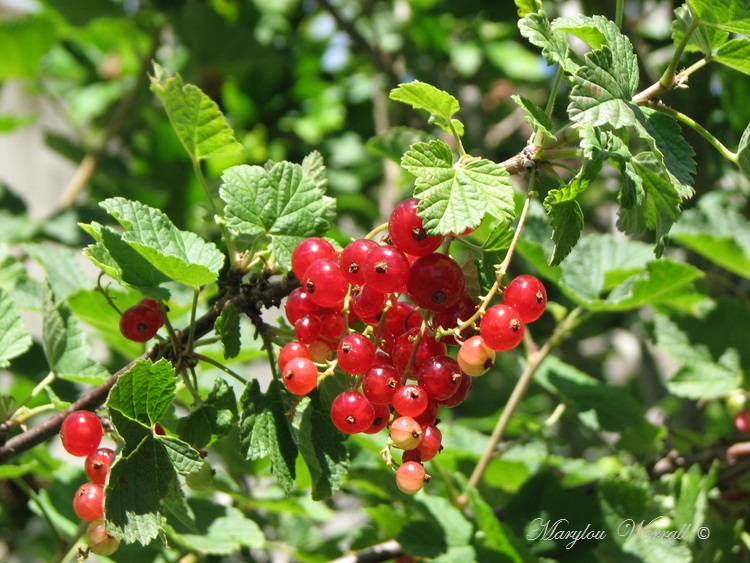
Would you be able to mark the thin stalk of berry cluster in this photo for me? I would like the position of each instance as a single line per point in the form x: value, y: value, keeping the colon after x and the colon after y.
x: 534, y: 361
x: 69, y: 550
x: 31, y: 494
x: 191, y: 327
x: 619, y: 11
x: 459, y: 145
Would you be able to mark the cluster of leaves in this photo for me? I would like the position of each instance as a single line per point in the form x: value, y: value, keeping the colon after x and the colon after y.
x: 594, y: 462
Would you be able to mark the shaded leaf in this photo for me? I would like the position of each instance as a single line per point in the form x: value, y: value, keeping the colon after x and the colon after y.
x: 14, y: 338
x: 227, y: 327
x: 555, y: 48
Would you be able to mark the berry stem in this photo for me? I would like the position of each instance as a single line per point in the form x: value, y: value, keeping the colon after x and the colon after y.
x: 222, y: 367
x: 534, y: 361
x: 31, y: 494
x: 377, y: 230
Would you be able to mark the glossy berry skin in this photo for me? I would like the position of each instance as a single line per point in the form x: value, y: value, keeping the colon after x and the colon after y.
x: 325, y: 283
x: 431, y: 444
x: 429, y: 415
x: 436, y: 282
x: 406, y: 433
x: 88, y: 502
x: 380, y: 383
x: 97, y: 464
x: 293, y: 349
x: 307, y: 329
x: 319, y: 351
x: 351, y: 412
x: 411, y: 477
x: 382, y: 415
x: 464, y: 386
x: 501, y: 329
x: 439, y: 376
x: 742, y: 421
x: 308, y: 251
x: 352, y: 260
x: 450, y: 318
x: 407, y: 230
x: 367, y: 302
x: 140, y: 323
x: 298, y: 304
x: 475, y: 357
x: 81, y: 432
x: 410, y: 400
x: 527, y: 296
x: 300, y: 376
x: 333, y: 325
x: 355, y: 353
x: 427, y: 348
x: 100, y: 541
x: 402, y: 317
x: 202, y: 479
x: 386, y: 269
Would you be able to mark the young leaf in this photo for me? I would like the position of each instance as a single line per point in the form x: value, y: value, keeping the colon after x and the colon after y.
x: 729, y: 15
x: 598, y: 32
x: 456, y: 197
x: 182, y: 256
x: 227, y: 327
x: 735, y: 54
x: 214, y: 418
x: 14, y: 338
x: 535, y: 116
x: 703, y: 39
x: 441, y: 105
x: 527, y: 6
x: 264, y: 431
x: 281, y: 202
x: 321, y: 446
x: 566, y: 220
x: 555, y: 48
x: 145, y: 392
x: 197, y: 120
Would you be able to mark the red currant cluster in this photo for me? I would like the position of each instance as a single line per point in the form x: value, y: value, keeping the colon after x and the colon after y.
x: 410, y: 300
x: 140, y: 322
x: 81, y: 434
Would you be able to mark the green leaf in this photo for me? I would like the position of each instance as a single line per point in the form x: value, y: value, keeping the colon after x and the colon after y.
x: 145, y: 392
x: 603, y: 88
x: 264, y: 431
x: 435, y: 527
x: 597, y: 31
x: 441, y: 105
x: 321, y: 446
x: 703, y: 39
x: 64, y: 273
x: 717, y: 230
x: 15, y: 471
x: 743, y: 153
x: 527, y: 6
x: 24, y: 41
x: 281, y: 203
x: 735, y: 54
x: 495, y: 534
x: 535, y: 116
x: 227, y: 327
x: 713, y: 354
x: 395, y: 142
x: 499, y: 238
x: 454, y: 197
x: 555, y: 48
x: 314, y: 167
x: 197, y: 120
x: 14, y: 338
x: 214, y: 418
x: 218, y: 529
x: 181, y: 255
x: 729, y: 15
x: 183, y: 456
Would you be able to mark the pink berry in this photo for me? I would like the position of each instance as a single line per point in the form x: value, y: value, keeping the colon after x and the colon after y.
x: 88, y: 502
x: 300, y: 376
x: 411, y: 477
x: 97, y: 464
x: 501, y: 328
x: 527, y: 296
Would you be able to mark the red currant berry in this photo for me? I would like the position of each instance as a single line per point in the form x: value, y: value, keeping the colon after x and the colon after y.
x: 292, y: 350
x: 401, y: 317
x: 351, y: 412
x: 382, y: 415
x: 411, y: 455
x: 429, y: 416
x: 308, y: 251
x: 411, y: 477
x: 427, y: 348
x: 439, y: 377
x: 406, y: 433
x: 367, y: 302
x: 431, y: 444
x: 386, y: 269
x: 475, y: 357
x: 501, y: 328
x: 152, y: 303
x: 410, y: 400
x: 325, y: 283
x: 300, y: 376
x: 380, y: 383
x: 81, y: 432
x: 319, y: 351
x: 527, y: 296
x: 461, y: 393
x: 298, y: 304
x: 100, y: 541
x: 742, y: 421
x: 333, y: 325
x: 97, y: 464
x: 140, y: 323
x: 352, y: 260
x: 88, y: 502
x: 307, y: 329
x: 407, y: 230
x: 355, y: 353
x: 436, y: 282
x: 451, y: 317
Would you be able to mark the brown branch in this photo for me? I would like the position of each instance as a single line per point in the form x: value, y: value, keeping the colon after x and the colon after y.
x: 261, y: 292
x: 374, y: 554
